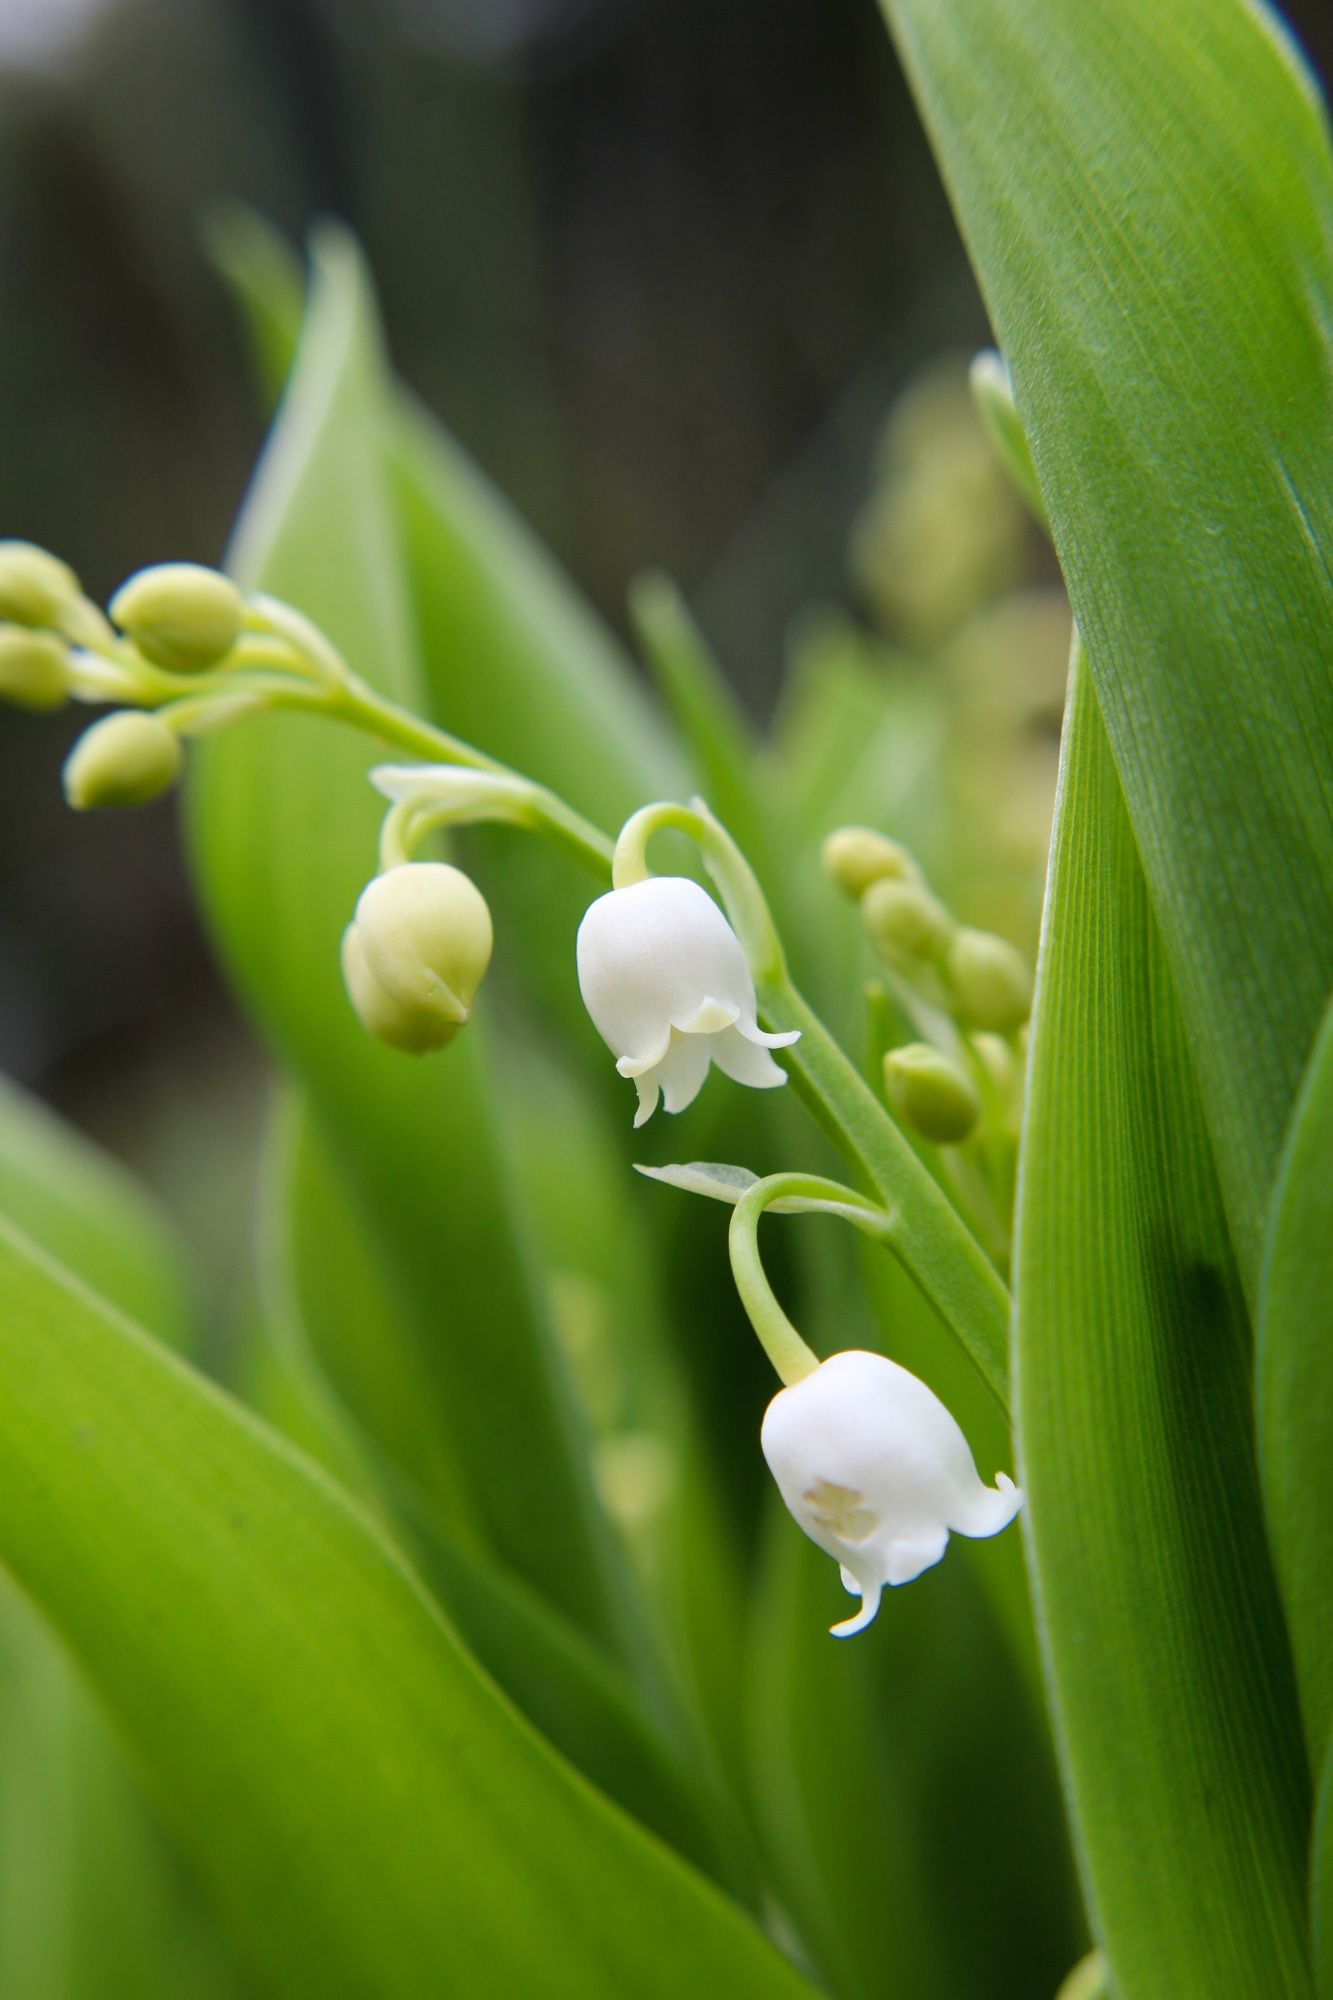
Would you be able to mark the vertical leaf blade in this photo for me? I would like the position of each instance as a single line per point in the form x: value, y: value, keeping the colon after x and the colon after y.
x: 371, y: 1815
x: 1147, y: 195
x: 284, y: 830
x: 1295, y: 1392
x: 1164, y: 1647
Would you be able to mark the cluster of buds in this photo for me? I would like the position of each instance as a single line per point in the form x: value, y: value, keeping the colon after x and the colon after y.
x: 177, y: 653
x: 979, y: 984
x: 981, y: 979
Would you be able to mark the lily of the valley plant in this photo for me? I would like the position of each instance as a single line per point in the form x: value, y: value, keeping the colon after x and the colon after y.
x: 462, y: 1635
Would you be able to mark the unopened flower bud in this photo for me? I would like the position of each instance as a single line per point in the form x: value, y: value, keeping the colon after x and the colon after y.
x: 877, y: 1473
x: 34, y: 668
x: 126, y: 759
x: 905, y: 921
x: 181, y: 616
x: 35, y: 586
x: 415, y: 954
x: 931, y: 1094
x: 856, y: 856
x: 991, y: 982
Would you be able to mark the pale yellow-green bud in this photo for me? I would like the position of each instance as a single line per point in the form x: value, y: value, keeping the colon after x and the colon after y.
x: 931, y: 1094
x: 179, y: 615
x: 997, y: 1059
x: 35, y: 586
x: 905, y: 920
x: 415, y: 954
x: 991, y: 982
x: 34, y: 668
x: 126, y: 759
x: 380, y: 1014
x: 856, y: 856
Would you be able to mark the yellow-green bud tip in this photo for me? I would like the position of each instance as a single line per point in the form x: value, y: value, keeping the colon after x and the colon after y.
x: 35, y: 587
x: 34, y: 668
x: 991, y: 982
x: 931, y: 1094
x: 179, y: 615
x: 905, y: 921
x: 856, y: 856
x: 126, y: 759
x: 415, y: 954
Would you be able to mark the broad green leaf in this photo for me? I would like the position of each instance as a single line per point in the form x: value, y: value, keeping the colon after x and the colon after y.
x: 1294, y: 1380
x: 93, y: 1901
x: 1321, y: 1883
x: 1165, y: 1654
x: 705, y: 707
x: 327, y: 1292
x: 1147, y: 196
x: 510, y: 656
x: 339, y: 1385
x: 370, y: 1815
x: 905, y: 1789
x: 284, y: 830
x: 89, y: 1214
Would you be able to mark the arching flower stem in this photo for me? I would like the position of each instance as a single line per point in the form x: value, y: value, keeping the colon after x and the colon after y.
x: 790, y: 1355
x: 931, y: 1238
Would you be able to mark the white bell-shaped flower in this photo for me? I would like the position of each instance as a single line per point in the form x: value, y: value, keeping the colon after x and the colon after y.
x: 877, y: 1473
x: 665, y: 980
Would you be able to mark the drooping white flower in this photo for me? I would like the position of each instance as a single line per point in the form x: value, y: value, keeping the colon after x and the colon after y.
x: 877, y: 1473
x: 665, y: 980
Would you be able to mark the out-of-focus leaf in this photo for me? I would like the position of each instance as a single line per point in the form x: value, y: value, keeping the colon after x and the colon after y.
x: 1165, y: 1652
x: 91, y: 1216
x: 727, y: 756
x: 904, y: 1788
x: 284, y: 827
x: 93, y: 1902
x: 371, y: 1816
x: 1321, y: 1882
x: 1294, y: 1380
x: 330, y: 1312
x: 1147, y: 195
x: 263, y: 272
x: 857, y: 735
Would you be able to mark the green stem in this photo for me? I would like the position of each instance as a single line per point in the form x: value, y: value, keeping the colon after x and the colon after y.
x: 778, y: 1337
x: 352, y: 702
x: 929, y: 1235
x: 934, y: 1242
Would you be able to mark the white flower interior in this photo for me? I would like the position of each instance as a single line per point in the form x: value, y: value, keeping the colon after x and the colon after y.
x: 665, y: 980
x: 877, y: 1473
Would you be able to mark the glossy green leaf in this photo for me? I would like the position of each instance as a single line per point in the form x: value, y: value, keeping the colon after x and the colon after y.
x: 88, y: 1213
x: 1294, y: 1380
x: 346, y: 1390
x: 371, y: 1816
x: 1321, y: 1883
x: 284, y: 829
x: 1165, y: 1653
x: 1147, y: 196
x: 93, y: 1901
x: 904, y: 1788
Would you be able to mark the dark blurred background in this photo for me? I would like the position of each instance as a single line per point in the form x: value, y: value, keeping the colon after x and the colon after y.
x: 663, y: 265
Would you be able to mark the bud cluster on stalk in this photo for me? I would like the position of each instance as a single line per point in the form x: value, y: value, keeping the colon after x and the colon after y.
x: 978, y: 985
x: 170, y: 628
